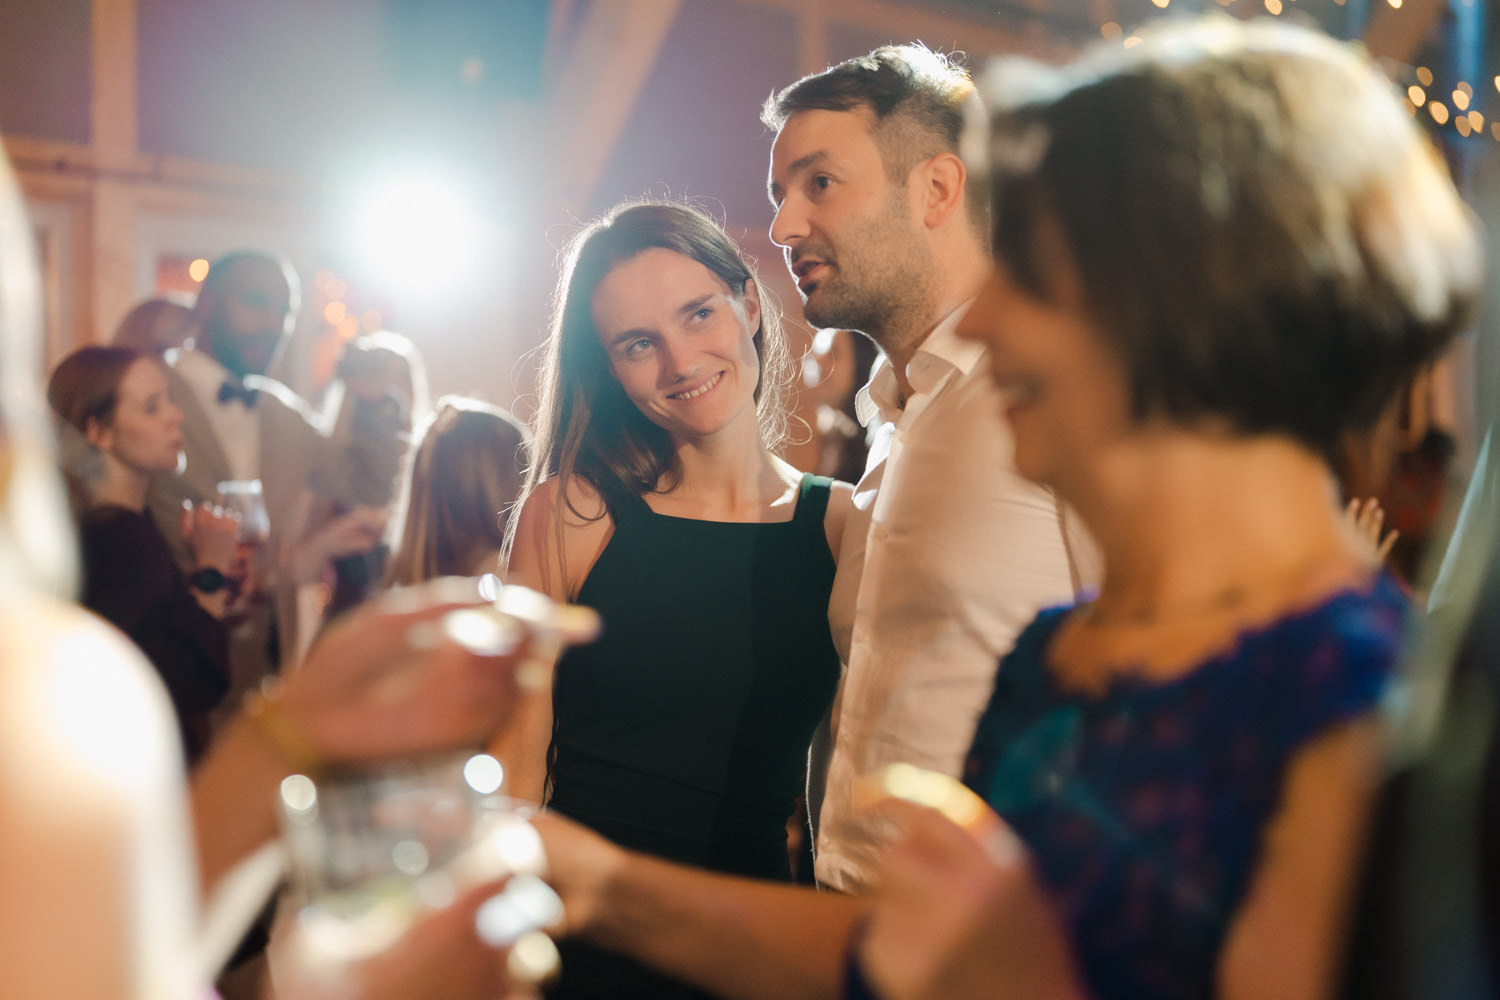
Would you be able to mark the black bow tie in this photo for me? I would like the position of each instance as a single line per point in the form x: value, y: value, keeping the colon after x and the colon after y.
x: 236, y: 390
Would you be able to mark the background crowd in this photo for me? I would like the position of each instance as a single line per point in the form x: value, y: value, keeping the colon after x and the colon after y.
x: 1063, y: 622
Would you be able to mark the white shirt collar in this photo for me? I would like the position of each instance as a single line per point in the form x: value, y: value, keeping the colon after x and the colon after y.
x: 941, y: 352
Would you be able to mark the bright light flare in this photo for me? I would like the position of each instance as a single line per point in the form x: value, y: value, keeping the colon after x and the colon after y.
x: 419, y: 232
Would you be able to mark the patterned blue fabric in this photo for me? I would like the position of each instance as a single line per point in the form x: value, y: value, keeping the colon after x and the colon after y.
x: 1143, y: 807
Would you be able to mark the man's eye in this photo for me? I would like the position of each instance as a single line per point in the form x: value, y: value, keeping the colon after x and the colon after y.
x: 637, y: 347
x: 822, y: 182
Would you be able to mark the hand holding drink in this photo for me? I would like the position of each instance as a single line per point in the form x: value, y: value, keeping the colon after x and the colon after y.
x: 245, y: 498
x: 404, y: 827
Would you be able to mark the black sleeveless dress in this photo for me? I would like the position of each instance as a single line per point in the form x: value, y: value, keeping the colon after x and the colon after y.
x: 683, y: 731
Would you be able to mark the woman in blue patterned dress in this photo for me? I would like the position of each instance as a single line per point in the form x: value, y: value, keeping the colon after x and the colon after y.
x: 1184, y: 327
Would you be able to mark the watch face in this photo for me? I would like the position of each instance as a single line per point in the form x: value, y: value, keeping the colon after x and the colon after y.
x: 208, y: 580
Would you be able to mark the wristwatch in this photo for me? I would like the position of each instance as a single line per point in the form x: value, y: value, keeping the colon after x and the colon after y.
x: 208, y: 580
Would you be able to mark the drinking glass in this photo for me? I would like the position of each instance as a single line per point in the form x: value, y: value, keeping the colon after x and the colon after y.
x: 247, y: 499
x: 371, y: 850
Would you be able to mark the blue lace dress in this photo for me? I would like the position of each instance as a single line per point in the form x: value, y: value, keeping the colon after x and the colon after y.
x: 1143, y: 807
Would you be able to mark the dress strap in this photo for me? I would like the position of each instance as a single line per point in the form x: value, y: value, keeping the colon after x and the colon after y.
x: 812, y: 498
x: 629, y: 507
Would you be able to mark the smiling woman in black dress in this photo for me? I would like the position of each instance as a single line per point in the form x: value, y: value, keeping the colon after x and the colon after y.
x: 654, y: 497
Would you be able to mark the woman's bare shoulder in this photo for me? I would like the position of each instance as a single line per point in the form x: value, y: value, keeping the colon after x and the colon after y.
x: 579, y: 503
x: 560, y: 533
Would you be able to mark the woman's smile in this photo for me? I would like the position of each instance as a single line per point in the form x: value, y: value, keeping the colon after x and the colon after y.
x: 702, y: 389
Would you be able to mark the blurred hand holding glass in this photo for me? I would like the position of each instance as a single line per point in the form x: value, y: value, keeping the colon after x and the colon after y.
x: 372, y: 849
x: 247, y: 499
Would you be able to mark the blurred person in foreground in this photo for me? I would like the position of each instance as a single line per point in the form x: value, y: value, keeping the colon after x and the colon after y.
x: 466, y: 475
x: 1198, y: 286
x: 97, y: 846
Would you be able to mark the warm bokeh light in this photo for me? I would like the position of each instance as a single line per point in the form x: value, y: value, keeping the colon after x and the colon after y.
x: 348, y: 328
x: 1416, y: 95
x: 1110, y: 30
x: 1162, y: 3
x: 1132, y: 41
x: 1439, y: 112
x: 1476, y: 120
x: 1462, y: 125
x: 198, y: 269
x: 1273, y: 6
x: 335, y: 312
x: 1424, y: 76
x: 1460, y: 100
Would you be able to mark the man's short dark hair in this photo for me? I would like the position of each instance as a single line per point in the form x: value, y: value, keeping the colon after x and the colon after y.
x: 916, y: 95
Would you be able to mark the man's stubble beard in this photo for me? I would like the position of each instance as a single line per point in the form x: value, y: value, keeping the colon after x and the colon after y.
x: 882, y: 288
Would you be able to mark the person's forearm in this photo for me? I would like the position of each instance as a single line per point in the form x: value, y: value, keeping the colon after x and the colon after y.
x: 233, y: 793
x: 741, y: 939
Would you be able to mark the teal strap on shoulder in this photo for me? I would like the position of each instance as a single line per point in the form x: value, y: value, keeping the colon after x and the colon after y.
x: 812, y: 498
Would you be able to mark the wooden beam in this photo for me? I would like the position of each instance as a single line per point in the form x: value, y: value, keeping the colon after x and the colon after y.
x: 38, y: 157
x: 113, y: 104
x: 812, y: 37
x: 945, y: 31
x: 601, y: 80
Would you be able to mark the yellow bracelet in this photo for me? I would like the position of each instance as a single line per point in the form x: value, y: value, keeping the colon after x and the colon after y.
x: 268, y: 716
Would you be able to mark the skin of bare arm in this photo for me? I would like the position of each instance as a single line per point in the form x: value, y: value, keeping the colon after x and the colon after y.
x: 1286, y: 939
x: 955, y: 919
x: 738, y: 938
x: 535, y: 563
x: 840, y: 503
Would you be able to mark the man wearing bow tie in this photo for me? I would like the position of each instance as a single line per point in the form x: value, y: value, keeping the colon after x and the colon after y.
x: 238, y: 424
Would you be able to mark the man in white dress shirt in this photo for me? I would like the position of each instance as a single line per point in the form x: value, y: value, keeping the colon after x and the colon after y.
x: 239, y: 424
x: 950, y: 553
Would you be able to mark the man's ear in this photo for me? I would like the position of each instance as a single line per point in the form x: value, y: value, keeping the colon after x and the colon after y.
x: 751, y: 298
x: 941, y: 190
